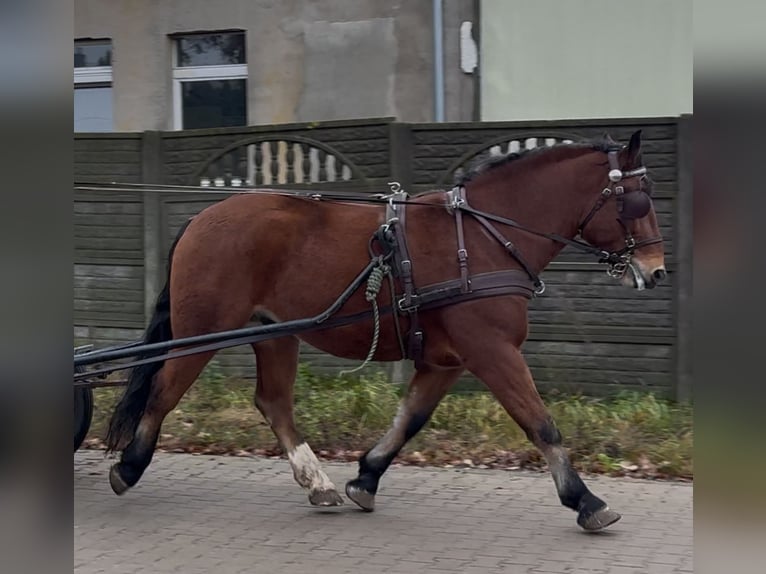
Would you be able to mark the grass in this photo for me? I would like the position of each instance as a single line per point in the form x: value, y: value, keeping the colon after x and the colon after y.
x: 633, y: 434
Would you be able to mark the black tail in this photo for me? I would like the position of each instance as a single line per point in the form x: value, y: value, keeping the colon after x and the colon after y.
x: 128, y: 412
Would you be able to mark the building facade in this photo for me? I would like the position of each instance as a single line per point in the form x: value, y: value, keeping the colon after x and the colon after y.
x: 184, y: 64
x: 584, y: 59
x: 180, y: 64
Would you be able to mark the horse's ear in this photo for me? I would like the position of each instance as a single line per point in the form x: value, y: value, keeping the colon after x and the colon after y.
x: 608, y: 139
x: 633, y: 153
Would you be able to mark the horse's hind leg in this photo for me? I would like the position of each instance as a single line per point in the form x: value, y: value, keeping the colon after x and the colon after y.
x: 506, y: 374
x: 167, y: 387
x: 277, y: 362
x: 425, y: 390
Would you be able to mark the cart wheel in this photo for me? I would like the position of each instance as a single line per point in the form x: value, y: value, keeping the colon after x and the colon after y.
x: 83, y: 414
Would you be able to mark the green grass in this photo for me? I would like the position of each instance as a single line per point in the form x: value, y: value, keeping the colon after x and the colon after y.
x: 636, y: 434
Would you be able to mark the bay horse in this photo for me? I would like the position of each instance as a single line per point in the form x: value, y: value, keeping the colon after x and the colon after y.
x: 271, y: 258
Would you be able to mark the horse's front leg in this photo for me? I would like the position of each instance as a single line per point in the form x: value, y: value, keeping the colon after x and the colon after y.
x: 426, y: 389
x: 501, y: 366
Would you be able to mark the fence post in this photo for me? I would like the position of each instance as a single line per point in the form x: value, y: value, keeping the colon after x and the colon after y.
x: 683, y: 242
x: 400, y: 154
x: 151, y: 172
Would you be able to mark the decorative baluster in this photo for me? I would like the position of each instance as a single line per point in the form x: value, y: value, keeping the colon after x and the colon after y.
x: 314, y: 170
x: 346, y: 173
x: 282, y: 161
x: 290, y: 164
x: 266, y: 163
x: 332, y: 172
x: 298, y: 159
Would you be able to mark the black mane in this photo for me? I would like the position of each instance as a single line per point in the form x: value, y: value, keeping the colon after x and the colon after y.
x: 483, y: 165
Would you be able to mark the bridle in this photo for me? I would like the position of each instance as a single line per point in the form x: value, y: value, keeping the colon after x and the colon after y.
x: 631, y: 204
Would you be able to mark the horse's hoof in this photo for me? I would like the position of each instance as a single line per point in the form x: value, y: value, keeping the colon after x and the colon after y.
x: 325, y: 498
x: 361, y: 497
x: 119, y: 486
x: 593, y: 521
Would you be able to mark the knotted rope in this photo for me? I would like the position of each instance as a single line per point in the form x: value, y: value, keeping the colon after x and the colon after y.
x: 374, y: 283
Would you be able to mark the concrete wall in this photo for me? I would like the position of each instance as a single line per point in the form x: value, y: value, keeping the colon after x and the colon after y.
x: 578, y: 59
x: 307, y: 60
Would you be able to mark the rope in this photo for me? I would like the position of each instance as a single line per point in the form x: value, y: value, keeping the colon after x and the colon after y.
x: 374, y: 283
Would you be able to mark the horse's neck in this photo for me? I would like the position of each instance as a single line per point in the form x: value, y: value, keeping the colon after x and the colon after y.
x: 543, y: 203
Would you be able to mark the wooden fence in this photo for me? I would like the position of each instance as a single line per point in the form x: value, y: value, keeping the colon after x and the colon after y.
x: 588, y: 334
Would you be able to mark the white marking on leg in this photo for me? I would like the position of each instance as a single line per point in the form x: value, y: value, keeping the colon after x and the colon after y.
x: 307, y: 470
x: 395, y: 434
x: 558, y: 462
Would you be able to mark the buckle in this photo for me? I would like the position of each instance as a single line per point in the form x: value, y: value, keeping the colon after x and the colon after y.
x: 455, y: 199
x: 408, y: 308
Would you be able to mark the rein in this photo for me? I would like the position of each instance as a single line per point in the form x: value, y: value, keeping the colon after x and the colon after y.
x: 395, y: 260
x: 372, y: 199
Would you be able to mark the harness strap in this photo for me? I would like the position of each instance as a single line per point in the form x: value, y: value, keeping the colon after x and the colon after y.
x: 402, y: 255
x: 462, y: 254
x: 595, y: 209
x: 492, y: 284
x: 403, y: 266
x: 582, y: 246
x: 510, y: 248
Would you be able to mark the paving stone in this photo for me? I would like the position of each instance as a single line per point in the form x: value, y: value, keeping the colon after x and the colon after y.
x: 193, y: 513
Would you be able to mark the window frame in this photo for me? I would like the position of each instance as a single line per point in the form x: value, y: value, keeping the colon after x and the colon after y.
x: 95, y: 76
x: 181, y: 74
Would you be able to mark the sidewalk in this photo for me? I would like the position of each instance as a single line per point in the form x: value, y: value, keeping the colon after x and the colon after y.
x: 224, y: 515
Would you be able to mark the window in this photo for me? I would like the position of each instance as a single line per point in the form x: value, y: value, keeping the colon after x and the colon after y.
x: 209, y: 81
x: 93, y: 86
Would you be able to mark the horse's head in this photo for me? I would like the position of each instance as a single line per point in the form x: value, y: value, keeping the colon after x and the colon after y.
x: 622, y: 221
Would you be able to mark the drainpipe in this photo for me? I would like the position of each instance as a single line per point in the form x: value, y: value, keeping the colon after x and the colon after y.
x: 438, y: 28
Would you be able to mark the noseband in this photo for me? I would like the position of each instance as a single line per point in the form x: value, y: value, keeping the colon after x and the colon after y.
x: 631, y: 204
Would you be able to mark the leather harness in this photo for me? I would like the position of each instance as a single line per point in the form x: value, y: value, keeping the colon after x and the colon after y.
x: 392, y: 238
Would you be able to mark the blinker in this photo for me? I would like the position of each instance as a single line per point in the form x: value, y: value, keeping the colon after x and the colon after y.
x: 633, y: 205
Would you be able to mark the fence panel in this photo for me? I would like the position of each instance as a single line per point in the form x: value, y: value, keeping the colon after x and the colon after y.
x: 588, y: 334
